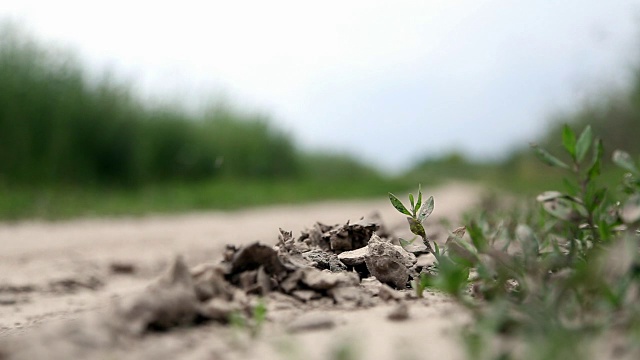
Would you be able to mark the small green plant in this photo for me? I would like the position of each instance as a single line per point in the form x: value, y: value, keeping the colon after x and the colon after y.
x: 420, y: 284
x: 345, y: 349
x: 452, y: 277
x: 259, y: 317
x: 581, y: 202
x: 416, y: 217
x: 252, y: 324
x: 554, y: 278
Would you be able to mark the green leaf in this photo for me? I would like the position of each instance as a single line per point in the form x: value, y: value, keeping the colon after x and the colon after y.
x: 569, y: 141
x: 596, y: 163
x: 549, y: 159
x: 398, y: 204
x: 260, y: 312
x: 404, y: 243
x: 477, y: 236
x: 436, y: 251
x: 426, y: 210
x: 413, y: 203
x: 561, y: 205
x: 416, y: 228
x: 624, y: 160
x: 419, y: 202
x: 572, y: 189
x: 418, y: 285
x: 583, y: 144
x: 452, y: 277
x: 462, y: 253
x: 594, y: 198
x: 561, y: 208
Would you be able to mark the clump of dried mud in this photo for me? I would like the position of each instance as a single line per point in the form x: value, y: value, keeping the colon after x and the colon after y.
x: 352, y: 265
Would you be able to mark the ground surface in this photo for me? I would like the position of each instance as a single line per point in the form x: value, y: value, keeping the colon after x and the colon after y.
x: 54, y: 273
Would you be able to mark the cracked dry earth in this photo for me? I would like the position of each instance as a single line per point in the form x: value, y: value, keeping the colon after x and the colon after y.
x: 165, y: 287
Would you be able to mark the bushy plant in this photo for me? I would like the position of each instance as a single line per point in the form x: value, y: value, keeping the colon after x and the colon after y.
x: 553, y: 277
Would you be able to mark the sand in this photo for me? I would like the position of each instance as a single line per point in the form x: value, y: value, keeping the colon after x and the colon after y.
x: 53, y: 273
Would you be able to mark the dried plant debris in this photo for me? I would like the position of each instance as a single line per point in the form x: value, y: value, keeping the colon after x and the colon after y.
x: 324, y: 260
x: 322, y: 267
x: 339, y: 238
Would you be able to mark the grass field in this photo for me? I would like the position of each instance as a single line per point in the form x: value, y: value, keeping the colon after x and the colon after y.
x: 60, y: 203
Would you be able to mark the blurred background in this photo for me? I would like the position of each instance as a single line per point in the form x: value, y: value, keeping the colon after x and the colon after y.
x: 143, y: 107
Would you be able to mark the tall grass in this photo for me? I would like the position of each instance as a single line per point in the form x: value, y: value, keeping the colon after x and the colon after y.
x: 57, y: 127
x: 73, y: 145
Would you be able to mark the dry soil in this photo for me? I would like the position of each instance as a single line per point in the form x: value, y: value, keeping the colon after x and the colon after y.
x: 53, y: 273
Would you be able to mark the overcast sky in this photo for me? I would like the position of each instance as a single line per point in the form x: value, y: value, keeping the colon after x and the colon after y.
x: 388, y: 81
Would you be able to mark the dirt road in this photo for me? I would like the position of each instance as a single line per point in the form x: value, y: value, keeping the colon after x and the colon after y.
x: 56, y: 272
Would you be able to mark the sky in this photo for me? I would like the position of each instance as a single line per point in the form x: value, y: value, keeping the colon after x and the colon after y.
x: 390, y: 82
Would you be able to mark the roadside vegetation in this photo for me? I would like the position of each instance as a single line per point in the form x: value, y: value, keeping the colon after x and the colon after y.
x: 73, y: 144
x: 556, y: 278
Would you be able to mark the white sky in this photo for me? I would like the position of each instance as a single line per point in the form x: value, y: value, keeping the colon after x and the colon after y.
x: 388, y: 81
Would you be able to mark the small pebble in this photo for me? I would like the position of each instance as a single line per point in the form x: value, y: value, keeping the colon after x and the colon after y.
x: 399, y: 313
x: 118, y: 267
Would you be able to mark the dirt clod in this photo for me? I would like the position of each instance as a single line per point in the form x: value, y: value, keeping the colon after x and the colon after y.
x: 324, y: 260
x: 306, y: 295
x: 255, y: 255
x: 386, y: 293
x: 341, y: 238
x: 351, y: 296
x: 325, y: 280
x: 219, y: 309
x: 400, y: 312
x: 354, y: 257
x: 171, y: 301
x: 389, y: 263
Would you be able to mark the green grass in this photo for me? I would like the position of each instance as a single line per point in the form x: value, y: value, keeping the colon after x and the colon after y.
x: 62, y: 203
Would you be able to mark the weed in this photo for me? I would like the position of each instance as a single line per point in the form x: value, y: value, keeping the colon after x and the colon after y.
x: 252, y: 324
x: 554, y: 277
x: 416, y: 217
x: 344, y: 350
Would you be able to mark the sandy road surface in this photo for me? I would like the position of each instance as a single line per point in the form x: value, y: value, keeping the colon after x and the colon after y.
x: 52, y: 272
